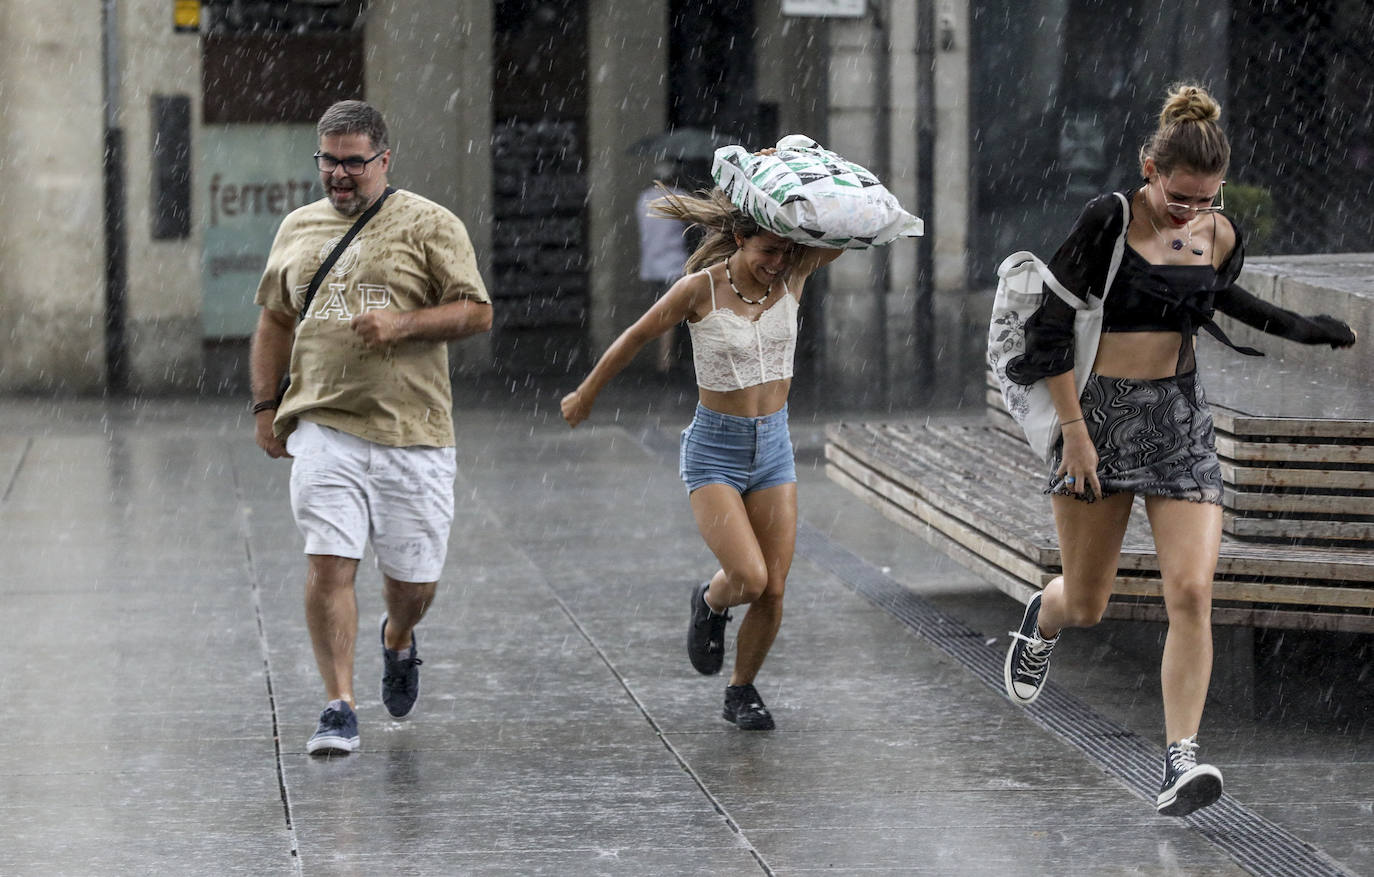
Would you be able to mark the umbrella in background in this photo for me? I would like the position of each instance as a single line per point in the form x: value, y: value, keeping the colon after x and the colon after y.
x: 680, y: 144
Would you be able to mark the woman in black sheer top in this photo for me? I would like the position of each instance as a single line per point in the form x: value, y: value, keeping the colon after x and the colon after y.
x: 1141, y: 425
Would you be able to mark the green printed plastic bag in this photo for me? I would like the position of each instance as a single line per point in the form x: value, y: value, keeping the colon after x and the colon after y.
x: 812, y: 196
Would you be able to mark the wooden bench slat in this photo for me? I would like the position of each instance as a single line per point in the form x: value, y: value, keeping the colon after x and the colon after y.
x: 1259, y: 592
x: 1242, y: 425
x: 1016, y: 583
x: 1287, y: 528
x: 1311, y: 465
x: 1317, y: 479
x: 931, y: 480
x: 1238, y: 424
x: 941, y: 470
x: 1297, y: 503
x: 1294, y: 452
x: 1348, y: 622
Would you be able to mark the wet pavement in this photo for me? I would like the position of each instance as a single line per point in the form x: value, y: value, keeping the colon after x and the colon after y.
x: 159, y: 685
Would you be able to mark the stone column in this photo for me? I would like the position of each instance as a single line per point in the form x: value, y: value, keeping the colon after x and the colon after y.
x: 854, y: 305
x: 871, y: 312
x: 962, y: 344
x: 162, y: 327
x: 428, y: 69
x: 52, y: 276
x: 628, y: 89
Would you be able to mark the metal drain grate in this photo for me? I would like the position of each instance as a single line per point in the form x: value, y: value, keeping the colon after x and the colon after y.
x: 1254, y: 842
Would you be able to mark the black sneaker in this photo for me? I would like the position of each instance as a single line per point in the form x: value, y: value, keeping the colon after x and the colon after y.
x: 1187, y: 785
x: 336, y: 734
x: 706, y: 634
x: 1028, y: 658
x: 745, y: 708
x: 400, y: 677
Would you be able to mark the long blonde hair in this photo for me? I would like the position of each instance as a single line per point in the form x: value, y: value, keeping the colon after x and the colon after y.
x: 1188, y: 136
x: 710, y: 210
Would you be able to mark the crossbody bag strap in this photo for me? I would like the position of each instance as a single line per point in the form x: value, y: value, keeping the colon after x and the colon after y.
x: 1120, y: 249
x: 1053, y: 284
x: 315, y: 282
x: 338, y: 251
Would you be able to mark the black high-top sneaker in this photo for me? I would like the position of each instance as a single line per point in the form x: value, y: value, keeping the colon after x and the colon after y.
x: 1187, y: 786
x: 1028, y: 659
x: 706, y: 634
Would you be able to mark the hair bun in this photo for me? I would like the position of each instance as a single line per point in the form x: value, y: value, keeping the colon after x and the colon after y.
x: 1189, y: 134
x: 1189, y: 103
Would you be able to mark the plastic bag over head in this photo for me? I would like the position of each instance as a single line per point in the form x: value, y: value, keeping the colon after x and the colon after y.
x: 812, y: 196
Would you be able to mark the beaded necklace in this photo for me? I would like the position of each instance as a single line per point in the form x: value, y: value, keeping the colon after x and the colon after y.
x: 749, y: 301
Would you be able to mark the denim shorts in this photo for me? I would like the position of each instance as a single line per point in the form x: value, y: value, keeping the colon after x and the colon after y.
x: 747, y: 453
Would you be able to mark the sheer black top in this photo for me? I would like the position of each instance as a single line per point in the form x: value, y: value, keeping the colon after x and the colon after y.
x: 1146, y: 297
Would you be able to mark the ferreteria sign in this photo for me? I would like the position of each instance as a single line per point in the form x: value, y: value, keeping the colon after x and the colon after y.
x: 251, y: 176
x: 825, y: 8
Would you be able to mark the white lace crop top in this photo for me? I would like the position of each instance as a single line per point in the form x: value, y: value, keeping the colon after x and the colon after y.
x: 732, y: 352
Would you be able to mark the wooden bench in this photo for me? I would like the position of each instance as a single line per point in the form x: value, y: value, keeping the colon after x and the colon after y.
x: 1295, y: 430
x: 974, y: 491
x: 1297, y: 480
x: 1295, y: 435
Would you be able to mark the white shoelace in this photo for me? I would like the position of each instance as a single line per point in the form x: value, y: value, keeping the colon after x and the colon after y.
x: 1036, y: 654
x: 1183, y: 755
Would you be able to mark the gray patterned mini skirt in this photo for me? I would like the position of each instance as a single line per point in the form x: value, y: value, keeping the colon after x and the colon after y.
x: 1150, y: 440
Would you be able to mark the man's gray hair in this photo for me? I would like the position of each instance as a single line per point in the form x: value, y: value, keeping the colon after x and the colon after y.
x: 354, y: 117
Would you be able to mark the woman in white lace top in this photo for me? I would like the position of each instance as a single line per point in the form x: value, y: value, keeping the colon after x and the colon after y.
x: 739, y: 296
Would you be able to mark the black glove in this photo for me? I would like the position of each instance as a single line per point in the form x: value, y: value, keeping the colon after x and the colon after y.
x: 1338, y: 333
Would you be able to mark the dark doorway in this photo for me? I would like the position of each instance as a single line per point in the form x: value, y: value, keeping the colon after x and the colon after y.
x: 1061, y: 106
x: 539, y: 255
x: 1058, y: 111
x: 712, y: 80
x: 1302, y: 134
x: 711, y: 67
x: 713, y: 84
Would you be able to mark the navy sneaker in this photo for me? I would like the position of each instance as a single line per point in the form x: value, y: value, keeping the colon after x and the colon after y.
x: 337, y: 733
x: 400, y: 677
x: 1187, y: 785
x: 706, y: 634
x: 745, y: 708
x: 1028, y: 659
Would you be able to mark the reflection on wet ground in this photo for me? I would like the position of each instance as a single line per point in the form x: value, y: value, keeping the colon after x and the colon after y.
x: 160, y: 685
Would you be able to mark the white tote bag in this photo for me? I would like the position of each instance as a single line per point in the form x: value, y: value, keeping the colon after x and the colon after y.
x: 1023, y: 281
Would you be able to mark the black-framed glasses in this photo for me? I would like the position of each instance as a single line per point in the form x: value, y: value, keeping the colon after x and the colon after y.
x: 352, y: 166
x: 1182, y: 210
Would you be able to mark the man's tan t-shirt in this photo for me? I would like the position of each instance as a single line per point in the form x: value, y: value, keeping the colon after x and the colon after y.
x: 412, y: 254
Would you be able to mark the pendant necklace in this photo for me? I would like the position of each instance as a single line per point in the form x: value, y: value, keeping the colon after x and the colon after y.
x: 749, y: 301
x: 1176, y: 243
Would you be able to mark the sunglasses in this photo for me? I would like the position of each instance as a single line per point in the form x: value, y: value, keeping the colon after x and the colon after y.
x: 1205, y: 205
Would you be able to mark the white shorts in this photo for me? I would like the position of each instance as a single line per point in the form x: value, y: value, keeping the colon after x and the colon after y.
x: 347, y: 491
